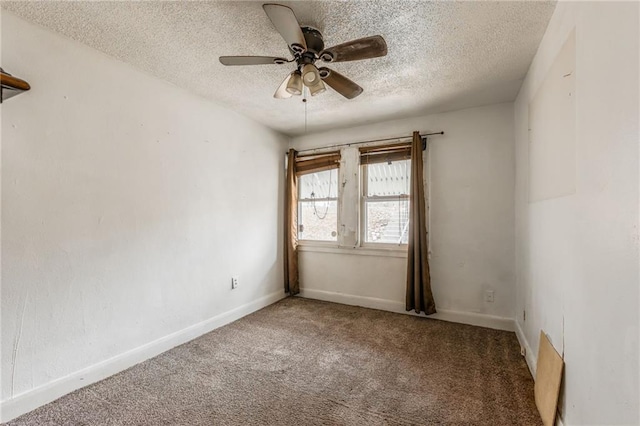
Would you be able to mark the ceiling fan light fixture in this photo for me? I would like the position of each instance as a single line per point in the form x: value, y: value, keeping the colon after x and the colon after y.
x: 310, y: 75
x: 317, y: 88
x: 294, y: 86
x: 306, y: 44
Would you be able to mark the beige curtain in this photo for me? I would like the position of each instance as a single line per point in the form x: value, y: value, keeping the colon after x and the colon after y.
x: 419, y: 296
x: 291, y: 282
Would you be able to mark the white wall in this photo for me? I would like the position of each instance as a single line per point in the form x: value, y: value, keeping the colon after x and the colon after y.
x: 127, y: 205
x: 577, y: 255
x: 471, y: 184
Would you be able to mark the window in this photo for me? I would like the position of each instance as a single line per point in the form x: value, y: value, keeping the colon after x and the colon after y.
x: 318, y: 206
x: 355, y: 197
x: 385, y: 202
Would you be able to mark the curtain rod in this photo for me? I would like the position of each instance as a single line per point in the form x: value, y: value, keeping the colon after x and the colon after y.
x: 366, y: 142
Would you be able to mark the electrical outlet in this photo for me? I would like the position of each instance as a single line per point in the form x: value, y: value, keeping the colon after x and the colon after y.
x: 234, y: 283
x: 488, y: 296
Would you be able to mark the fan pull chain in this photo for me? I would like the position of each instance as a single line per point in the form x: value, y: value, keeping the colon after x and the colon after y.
x: 304, y: 99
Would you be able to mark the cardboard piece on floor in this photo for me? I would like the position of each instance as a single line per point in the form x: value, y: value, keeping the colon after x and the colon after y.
x: 548, y: 378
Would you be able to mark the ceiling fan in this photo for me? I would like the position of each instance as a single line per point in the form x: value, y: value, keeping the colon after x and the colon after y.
x: 307, y: 46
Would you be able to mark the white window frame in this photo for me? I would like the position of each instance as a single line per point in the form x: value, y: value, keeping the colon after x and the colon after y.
x: 363, y: 212
x: 350, y: 216
x: 325, y: 243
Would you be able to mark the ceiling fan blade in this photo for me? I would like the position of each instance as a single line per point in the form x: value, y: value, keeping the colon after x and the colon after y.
x: 340, y: 83
x: 251, y: 60
x: 287, y: 25
x: 362, y: 48
x: 282, y: 93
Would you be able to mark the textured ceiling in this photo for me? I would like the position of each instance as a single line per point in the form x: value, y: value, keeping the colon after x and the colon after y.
x: 442, y: 55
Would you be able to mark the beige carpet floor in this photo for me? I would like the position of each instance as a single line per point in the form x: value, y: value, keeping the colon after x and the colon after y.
x: 305, y: 362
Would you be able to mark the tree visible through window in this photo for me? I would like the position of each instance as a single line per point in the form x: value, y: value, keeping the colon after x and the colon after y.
x: 385, y: 206
x: 377, y: 175
x: 318, y: 206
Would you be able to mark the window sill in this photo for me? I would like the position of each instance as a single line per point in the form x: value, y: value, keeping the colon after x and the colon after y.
x: 387, y: 251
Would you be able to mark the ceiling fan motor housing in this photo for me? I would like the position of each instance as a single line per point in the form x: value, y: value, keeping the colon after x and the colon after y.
x: 313, y: 38
x: 306, y: 45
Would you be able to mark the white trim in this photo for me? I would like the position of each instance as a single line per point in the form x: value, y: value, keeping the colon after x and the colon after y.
x: 402, y: 247
x: 472, y: 318
x: 356, y: 251
x: 305, y: 244
x: 34, y: 398
x: 529, y: 355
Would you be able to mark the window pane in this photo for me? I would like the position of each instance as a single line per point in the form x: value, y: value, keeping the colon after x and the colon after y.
x: 387, y: 221
x: 318, y: 220
x: 388, y: 179
x: 319, y: 185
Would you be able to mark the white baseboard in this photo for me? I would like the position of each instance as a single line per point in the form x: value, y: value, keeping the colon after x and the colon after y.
x: 37, y: 397
x: 532, y: 360
x: 530, y: 357
x: 472, y: 318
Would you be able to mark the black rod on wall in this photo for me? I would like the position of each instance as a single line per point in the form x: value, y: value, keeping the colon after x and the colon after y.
x: 424, y: 135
